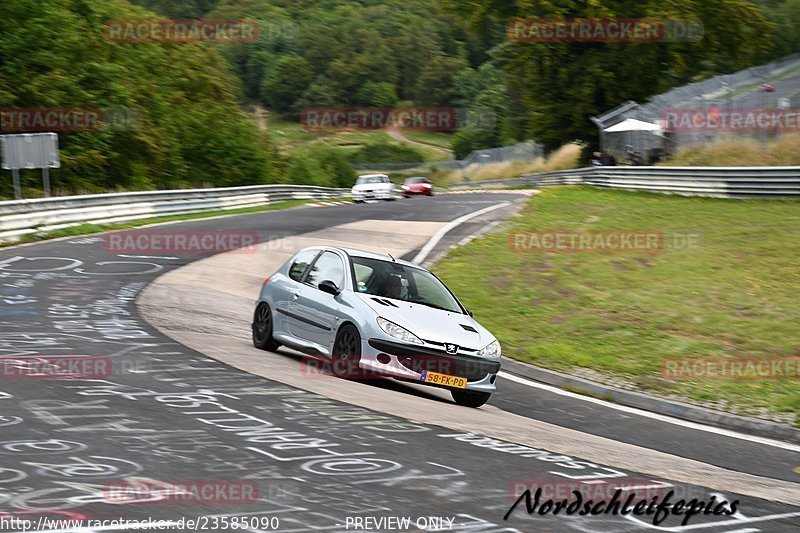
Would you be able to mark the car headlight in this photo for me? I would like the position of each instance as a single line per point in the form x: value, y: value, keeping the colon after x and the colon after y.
x: 491, y: 352
x: 393, y: 330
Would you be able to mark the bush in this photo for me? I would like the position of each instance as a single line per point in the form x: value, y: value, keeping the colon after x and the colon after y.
x: 337, y: 171
x: 321, y: 166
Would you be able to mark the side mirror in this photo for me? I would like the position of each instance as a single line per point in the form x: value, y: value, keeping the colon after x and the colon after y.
x: 329, y: 287
x: 469, y: 312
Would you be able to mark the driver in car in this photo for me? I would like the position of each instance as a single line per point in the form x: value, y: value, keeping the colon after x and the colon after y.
x: 392, y: 288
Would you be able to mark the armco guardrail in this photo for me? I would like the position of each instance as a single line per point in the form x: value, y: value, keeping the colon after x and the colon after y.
x: 722, y: 182
x: 21, y: 217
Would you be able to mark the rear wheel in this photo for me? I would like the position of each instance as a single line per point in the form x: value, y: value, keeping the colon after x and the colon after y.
x: 470, y: 398
x: 262, y: 329
x: 346, y: 352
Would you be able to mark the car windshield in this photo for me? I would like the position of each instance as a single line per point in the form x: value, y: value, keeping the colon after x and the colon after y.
x: 416, y: 180
x: 401, y: 282
x: 370, y: 179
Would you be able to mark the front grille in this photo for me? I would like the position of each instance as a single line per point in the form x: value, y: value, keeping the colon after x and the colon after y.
x: 471, y: 369
x: 418, y: 358
x: 460, y: 348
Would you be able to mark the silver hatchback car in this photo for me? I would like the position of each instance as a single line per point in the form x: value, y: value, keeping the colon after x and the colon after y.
x: 370, y: 314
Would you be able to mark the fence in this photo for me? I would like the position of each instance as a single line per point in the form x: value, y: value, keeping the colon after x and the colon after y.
x: 725, y: 93
x: 527, y: 151
x: 23, y: 217
x: 722, y: 182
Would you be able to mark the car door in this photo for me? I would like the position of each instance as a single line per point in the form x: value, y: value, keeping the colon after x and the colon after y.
x: 286, y: 291
x: 388, y: 186
x: 318, y: 310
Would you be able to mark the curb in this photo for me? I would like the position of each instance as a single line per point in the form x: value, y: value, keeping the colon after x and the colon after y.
x: 701, y: 415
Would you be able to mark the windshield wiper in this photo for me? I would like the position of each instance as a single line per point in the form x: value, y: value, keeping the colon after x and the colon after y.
x: 435, y: 306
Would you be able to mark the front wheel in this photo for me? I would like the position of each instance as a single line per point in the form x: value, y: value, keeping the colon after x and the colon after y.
x: 262, y: 329
x: 470, y: 398
x: 346, y: 352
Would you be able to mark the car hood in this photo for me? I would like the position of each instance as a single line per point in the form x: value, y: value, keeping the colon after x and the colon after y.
x: 431, y: 324
x: 371, y: 186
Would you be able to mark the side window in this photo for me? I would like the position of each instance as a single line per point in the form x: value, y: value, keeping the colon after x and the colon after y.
x: 329, y: 266
x: 363, y: 276
x: 300, y: 263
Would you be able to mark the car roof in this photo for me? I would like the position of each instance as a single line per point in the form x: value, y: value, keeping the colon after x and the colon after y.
x: 373, y: 176
x: 354, y: 252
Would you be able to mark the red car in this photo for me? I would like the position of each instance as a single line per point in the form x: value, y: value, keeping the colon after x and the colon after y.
x: 417, y: 187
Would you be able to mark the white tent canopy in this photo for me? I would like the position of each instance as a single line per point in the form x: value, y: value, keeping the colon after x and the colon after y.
x: 632, y: 124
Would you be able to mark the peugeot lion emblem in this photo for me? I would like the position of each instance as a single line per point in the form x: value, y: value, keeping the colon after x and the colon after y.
x: 451, y: 348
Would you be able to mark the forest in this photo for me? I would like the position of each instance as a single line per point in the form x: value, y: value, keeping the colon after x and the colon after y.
x: 195, y: 100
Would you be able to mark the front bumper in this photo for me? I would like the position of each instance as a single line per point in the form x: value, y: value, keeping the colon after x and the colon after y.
x: 360, y: 196
x: 409, y: 361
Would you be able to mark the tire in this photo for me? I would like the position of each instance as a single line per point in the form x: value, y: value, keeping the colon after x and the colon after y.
x: 346, y: 352
x: 469, y: 398
x: 262, y: 329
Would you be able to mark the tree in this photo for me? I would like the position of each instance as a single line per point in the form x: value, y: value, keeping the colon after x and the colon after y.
x: 320, y: 93
x: 436, y: 80
x: 285, y: 81
x: 376, y: 94
x: 190, y: 131
x: 337, y: 170
x: 471, y: 138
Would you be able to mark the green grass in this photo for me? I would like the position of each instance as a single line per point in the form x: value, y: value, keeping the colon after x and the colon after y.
x: 736, y: 295
x: 85, y: 229
x: 291, y: 137
x: 435, y: 138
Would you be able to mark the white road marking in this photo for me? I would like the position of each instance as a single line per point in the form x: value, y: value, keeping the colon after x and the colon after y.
x: 654, y: 416
x: 431, y: 244
x: 714, y: 525
x: 486, y: 229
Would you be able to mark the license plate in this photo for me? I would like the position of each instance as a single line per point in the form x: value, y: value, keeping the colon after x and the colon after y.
x: 444, y: 380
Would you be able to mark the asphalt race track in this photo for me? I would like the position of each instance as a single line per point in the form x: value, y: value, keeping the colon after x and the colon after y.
x: 314, y: 453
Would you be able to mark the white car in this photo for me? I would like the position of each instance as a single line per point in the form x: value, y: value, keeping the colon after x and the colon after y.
x: 373, y: 187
